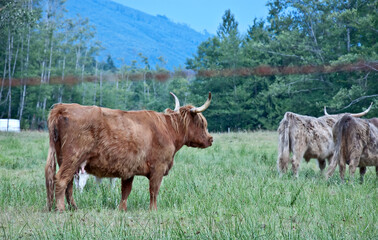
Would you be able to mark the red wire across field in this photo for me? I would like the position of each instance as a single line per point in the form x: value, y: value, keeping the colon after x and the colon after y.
x: 262, y: 70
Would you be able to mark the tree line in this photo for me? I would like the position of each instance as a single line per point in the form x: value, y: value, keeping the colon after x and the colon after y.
x: 298, y: 34
x: 38, y: 44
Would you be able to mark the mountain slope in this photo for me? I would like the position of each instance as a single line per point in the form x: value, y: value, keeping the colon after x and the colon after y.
x: 125, y: 32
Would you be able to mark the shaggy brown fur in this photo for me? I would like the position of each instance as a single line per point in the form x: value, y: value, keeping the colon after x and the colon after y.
x: 356, y: 144
x: 306, y: 137
x: 115, y: 143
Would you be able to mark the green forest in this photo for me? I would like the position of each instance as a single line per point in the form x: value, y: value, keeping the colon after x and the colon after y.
x: 46, y: 58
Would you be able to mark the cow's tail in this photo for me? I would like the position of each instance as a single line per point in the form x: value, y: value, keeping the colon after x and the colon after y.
x: 50, y: 168
x: 283, y: 144
x: 338, y: 132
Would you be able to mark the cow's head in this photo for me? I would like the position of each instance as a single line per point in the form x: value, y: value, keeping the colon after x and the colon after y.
x: 195, y: 124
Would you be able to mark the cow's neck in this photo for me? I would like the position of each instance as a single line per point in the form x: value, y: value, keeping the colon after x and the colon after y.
x: 177, y: 129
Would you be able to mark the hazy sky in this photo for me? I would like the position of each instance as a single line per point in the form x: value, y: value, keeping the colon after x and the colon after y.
x: 202, y: 14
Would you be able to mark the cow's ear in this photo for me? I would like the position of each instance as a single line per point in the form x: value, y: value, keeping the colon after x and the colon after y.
x: 168, y: 111
x: 192, y: 113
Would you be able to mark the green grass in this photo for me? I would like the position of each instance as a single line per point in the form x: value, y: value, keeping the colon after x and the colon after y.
x: 229, y: 191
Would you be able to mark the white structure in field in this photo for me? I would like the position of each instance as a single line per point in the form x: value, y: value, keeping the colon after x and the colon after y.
x: 10, y: 125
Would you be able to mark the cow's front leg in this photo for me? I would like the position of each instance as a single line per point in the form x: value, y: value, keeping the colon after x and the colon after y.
x: 126, y: 185
x: 155, y: 182
x: 362, y: 173
x: 69, y: 197
x: 322, y: 164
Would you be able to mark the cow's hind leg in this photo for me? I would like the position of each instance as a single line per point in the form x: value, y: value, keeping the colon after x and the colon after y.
x: 342, y: 168
x: 69, y: 196
x: 354, y: 161
x: 126, y: 186
x: 282, y: 163
x: 64, y: 177
x: 332, y: 166
x: 295, y: 162
x: 352, y: 170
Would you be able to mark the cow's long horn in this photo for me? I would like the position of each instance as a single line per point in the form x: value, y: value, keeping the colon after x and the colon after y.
x: 362, y: 113
x: 203, y: 107
x: 325, y: 111
x: 177, y: 102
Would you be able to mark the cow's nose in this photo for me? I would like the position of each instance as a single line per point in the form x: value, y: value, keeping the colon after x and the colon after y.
x: 211, y: 140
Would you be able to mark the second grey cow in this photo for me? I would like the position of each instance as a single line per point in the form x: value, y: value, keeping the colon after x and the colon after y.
x: 356, y: 144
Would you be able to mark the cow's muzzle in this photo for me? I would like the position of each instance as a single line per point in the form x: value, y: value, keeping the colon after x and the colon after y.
x: 210, y: 141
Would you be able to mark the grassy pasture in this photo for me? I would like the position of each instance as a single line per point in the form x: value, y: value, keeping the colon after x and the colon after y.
x: 229, y: 191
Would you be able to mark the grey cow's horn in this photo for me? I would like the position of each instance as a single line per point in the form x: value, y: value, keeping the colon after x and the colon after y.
x: 362, y: 113
x: 177, y: 102
x: 325, y: 111
x: 353, y: 114
x: 203, y: 107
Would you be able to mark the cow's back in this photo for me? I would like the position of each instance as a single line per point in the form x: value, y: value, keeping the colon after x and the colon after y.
x: 310, y: 135
x: 72, y: 122
x: 74, y: 117
x: 374, y: 121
